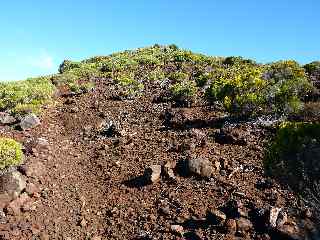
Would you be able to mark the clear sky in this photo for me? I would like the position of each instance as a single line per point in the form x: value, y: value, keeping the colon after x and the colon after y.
x: 37, y: 35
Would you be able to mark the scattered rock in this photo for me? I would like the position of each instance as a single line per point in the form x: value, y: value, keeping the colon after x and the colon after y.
x: 153, y: 173
x: 232, y: 209
x: 217, y: 216
x: 230, y: 136
x: 231, y: 226
x: 273, y: 216
x: 12, y: 183
x: 4, y: 200
x: 282, y: 218
x: 168, y: 169
x: 6, y: 119
x: 44, y: 236
x: 15, y: 206
x: 97, y: 238
x: 199, y: 136
x: 263, y: 184
x: 29, y: 121
x: 34, y: 169
x: 83, y: 222
x: 32, y: 189
x: 290, y: 232
x: 165, y: 210
x: 201, y: 167
x: 307, y: 213
x: 108, y: 129
x: 3, y: 219
x: 177, y: 229
x: 244, y: 225
x: 36, y: 143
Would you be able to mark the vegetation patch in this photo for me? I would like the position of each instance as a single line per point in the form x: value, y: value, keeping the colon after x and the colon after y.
x: 10, y: 153
x: 25, y: 96
x: 294, y: 155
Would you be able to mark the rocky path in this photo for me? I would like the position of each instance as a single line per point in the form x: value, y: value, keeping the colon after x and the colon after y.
x: 91, y: 179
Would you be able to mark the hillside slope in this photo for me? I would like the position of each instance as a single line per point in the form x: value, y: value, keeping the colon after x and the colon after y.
x: 161, y: 143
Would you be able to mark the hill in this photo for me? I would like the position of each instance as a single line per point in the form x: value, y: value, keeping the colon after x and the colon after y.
x: 162, y: 143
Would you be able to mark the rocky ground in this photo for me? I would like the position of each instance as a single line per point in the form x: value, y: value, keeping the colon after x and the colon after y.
x: 98, y: 167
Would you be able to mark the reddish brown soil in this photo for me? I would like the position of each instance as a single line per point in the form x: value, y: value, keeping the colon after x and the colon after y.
x: 91, y: 189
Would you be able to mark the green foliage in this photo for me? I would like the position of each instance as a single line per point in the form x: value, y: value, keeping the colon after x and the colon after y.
x: 28, y: 94
x: 131, y: 86
x: 178, y: 76
x: 294, y: 154
x: 183, y: 91
x: 156, y: 75
x: 239, y: 88
x: 312, y: 67
x: 247, y: 88
x: 67, y: 65
x: 288, y: 84
x: 10, y: 153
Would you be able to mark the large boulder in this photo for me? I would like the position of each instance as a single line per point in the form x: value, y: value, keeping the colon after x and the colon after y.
x: 201, y: 167
x: 12, y: 183
x: 6, y: 119
x: 29, y: 121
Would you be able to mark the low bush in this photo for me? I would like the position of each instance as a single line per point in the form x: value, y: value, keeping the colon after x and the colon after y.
x: 183, y: 91
x: 294, y: 155
x: 29, y: 94
x: 10, y: 153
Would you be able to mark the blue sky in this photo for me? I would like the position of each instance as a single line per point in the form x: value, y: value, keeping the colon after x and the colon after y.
x: 37, y: 35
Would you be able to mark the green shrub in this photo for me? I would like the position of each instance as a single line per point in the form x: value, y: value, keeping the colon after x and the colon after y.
x: 178, y: 76
x: 239, y: 88
x: 202, y: 79
x: 10, y: 153
x: 294, y: 154
x: 156, y: 75
x: 32, y: 92
x: 130, y: 86
x: 67, y: 65
x: 183, y: 91
x: 288, y: 85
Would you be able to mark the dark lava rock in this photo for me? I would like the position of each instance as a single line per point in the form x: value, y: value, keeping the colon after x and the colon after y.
x: 201, y: 167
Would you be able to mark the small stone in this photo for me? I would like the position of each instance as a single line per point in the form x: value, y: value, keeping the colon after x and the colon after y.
x: 108, y: 129
x: 201, y: 167
x: 165, y: 210
x: 177, y: 229
x: 307, y: 213
x: 231, y: 226
x: 217, y: 166
x: 274, y: 212
x: 6, y: 119
x: 282, y: 218
x: 44, y: 236
x: 32, y: 189
x: 244, y: 225
x: 168, y: 169
x: 4, y: 200
x: 12, y: 183
x: 83, y: 222
x: 289, y: 232
x: 3, y: 219
x: 15, y: 206
x: 218, y: 215
x: 97, y: 238
x: 34, y: 169
x: 153, y: 173
x: 29, y: 121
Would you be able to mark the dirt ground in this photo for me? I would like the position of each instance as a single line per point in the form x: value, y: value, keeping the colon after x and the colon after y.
x: 91, y: 186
